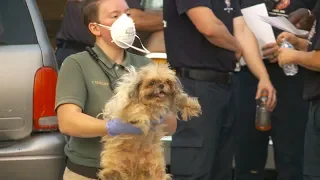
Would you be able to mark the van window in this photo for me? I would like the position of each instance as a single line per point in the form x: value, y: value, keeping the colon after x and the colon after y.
x: 16, y: 27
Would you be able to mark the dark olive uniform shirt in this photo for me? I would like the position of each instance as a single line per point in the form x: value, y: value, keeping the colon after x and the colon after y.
x: 82, y: 82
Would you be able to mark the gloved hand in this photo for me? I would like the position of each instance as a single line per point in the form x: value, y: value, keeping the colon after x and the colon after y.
x: 116, y: 127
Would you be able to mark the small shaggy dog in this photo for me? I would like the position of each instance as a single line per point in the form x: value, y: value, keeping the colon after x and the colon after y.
x: 142, y: 97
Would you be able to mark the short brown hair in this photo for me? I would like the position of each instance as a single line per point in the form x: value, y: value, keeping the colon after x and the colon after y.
x: 90, y: 10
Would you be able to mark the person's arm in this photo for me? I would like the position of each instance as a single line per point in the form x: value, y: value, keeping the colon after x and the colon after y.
x: 251, y: 51
x: 309, y: 60
x: 213, y: 29
x: 302, y: 44
x: 298, y: 43
x: 150, y: 21
x: 253, y: 59
x: 302, y: 18
x: 75, y: 123
x: 201, y: 15
x: 71, y: 96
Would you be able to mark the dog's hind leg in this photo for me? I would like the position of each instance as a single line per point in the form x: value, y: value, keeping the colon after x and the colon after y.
x: 157, y: 166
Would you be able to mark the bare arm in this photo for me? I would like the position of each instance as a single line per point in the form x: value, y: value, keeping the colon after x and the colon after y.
x: 251, y: 51
x: 150, y: 21
x: 212, y: 28
x: 309, y: 60
x: 302, y: 44
x: 75, y: 123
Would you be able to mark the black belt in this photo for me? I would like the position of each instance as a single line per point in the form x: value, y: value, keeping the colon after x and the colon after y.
x: 205, y: 75
x: 89, y: 172
x: 72, y: 45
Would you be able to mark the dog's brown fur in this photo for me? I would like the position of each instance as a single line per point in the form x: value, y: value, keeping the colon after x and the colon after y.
x: 140, y: 97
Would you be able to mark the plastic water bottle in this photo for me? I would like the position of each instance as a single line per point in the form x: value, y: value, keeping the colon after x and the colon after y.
x: 289, y: 69
x: 263, y: 121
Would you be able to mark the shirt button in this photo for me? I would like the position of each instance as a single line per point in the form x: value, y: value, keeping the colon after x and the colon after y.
x: 117, y: 67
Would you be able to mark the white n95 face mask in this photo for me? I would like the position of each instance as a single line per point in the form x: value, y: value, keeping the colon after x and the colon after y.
x: 123, y: 33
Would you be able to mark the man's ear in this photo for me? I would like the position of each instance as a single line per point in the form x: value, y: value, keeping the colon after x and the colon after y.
x: 94, y: 29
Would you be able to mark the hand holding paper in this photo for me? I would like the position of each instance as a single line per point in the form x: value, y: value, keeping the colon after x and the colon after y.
x: 262, y: 31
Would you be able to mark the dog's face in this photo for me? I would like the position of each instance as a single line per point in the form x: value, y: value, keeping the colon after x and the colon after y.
x: 157, y: 85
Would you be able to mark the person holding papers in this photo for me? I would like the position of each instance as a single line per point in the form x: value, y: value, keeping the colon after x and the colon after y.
x: 288, y: 120
x: 311, y: 93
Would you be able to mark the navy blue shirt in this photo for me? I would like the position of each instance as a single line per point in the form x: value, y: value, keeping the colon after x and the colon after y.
x: 186, y: 46
x: 312, y: 83
x: 73, y: 27
x: 134, y: 4
x: 310, y: 4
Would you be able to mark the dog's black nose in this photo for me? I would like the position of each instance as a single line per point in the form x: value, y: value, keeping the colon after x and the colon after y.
x: 161, y: 86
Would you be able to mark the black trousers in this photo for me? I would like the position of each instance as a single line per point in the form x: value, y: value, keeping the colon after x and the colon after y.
x: 312, y: 144
x: 203, y: 148
x: 288, y: 127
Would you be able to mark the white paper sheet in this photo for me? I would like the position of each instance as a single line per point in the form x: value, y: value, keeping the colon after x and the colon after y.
x: 284, y: 24
x: 263, y: 31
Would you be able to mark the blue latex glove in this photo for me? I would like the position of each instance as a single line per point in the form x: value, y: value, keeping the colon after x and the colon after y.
x: 116, y: 127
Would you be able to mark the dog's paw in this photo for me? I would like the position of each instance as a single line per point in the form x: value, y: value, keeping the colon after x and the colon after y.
x: 191, y: 109
x: 168, y: 177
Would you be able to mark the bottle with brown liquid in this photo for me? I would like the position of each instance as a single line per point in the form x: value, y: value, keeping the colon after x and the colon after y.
x: 263, y: 120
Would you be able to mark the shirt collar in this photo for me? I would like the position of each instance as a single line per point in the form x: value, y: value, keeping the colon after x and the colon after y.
x: 108, y: 61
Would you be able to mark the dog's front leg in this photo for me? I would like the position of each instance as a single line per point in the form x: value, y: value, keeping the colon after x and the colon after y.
x: 188, y: 106
x: 140, y: 121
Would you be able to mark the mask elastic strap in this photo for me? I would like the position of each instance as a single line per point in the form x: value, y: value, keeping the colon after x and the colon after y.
x: 103, y: 25
x: 144, y: 50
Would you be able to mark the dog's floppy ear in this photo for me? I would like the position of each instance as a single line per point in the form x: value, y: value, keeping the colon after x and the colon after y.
x: 178, y: 85
x: 134, y: 90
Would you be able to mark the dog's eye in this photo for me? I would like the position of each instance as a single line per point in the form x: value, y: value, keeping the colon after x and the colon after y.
x: 168, y: 82
x: 151, y: 83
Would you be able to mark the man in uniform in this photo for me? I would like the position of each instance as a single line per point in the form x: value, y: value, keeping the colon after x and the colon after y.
x: 288, y: 120
x: 204, y: 39
x: 311, y: 61
x: 74, y: 36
